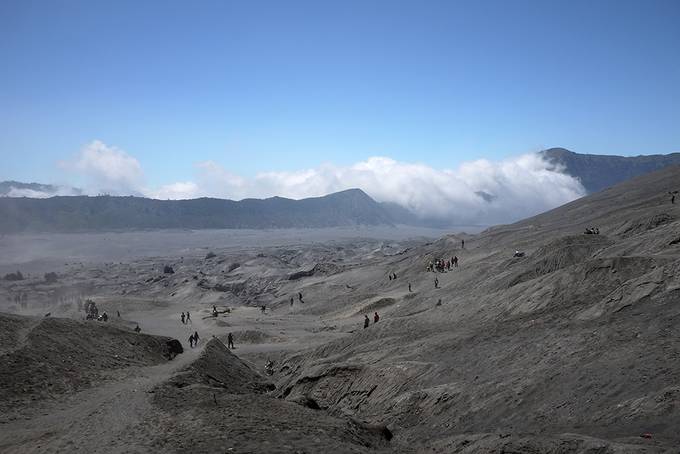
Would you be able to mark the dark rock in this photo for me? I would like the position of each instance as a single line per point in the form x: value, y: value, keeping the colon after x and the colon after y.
x: 14, y: 276
x: 233, y: 266
x: 324, y: 269
x: 174, y: 348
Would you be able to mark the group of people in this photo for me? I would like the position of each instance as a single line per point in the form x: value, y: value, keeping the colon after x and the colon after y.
x: 591, y: 231
x: 299, y: 295
x: 393, y: 276
x: 186, y: 318
x: 193, y: 339
x: 442, y: 265
x: 367, y: 321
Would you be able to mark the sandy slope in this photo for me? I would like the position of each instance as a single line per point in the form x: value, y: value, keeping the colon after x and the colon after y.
x: 571, y: 348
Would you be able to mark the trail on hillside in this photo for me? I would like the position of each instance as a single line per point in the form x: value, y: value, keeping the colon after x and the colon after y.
x: 101, y: 419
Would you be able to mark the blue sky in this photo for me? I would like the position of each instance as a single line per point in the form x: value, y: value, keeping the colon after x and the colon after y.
x: 283, y: 86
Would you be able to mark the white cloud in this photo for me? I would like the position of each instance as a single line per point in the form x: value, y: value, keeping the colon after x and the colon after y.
x: 177, y: 191
x: 21, y: 192
x: 482, y: 191
x: 479, y: 191
x: 108, y: 169
x: 40, y: 191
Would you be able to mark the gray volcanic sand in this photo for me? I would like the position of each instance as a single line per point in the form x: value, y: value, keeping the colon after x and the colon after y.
x: 40, y: 252
x: 573, y: 348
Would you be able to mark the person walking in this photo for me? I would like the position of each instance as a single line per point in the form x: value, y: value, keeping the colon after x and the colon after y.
x: 188, y: 317
x: 183, y: 322
x: 376, y: 318
x: 195, y: 338
x: 230, y: 341
x: 366, y: 321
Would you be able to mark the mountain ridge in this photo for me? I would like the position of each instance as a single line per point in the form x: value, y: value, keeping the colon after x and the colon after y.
x: 101, y: 213
x: 56, y: 213
x: 598, y: 172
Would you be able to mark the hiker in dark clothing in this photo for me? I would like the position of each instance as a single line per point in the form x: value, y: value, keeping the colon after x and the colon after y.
x: 390, y: 276
x: 230, y: 341
x: 394, y: 276
x: 376, y: 318
x: 188, y: 317
x: 263, y: 309
x: 436, y: 283
x: 118, y: 312
x: 300, y: 297
x: 191, y: 341
x: 195, y: 338
x: 455, y: 261
x: 137, y: 329
x: 182, y: 318
x: 291, y: 300
x: 366, y: 321
x: 409, y: 287
x: 462, y: 244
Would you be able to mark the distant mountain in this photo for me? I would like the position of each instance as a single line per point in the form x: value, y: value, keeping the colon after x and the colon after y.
x: 82, y: 213
x: 34, y: 190
x: 598, y: 172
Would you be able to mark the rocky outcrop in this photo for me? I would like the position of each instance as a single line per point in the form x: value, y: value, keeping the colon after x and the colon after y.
x: 319, y: 269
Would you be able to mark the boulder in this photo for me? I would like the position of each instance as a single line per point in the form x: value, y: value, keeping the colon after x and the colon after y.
x: 174, y: 348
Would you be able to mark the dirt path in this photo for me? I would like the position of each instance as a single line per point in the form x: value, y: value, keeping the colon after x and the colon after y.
x: 107, y: 418
x: 20, y: 338
x: 100, y: 419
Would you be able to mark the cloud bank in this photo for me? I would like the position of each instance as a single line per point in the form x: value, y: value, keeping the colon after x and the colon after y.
x: 35, y: 190
x: 478, y: 192
x: 108, y: 169
x: 38, y: 194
